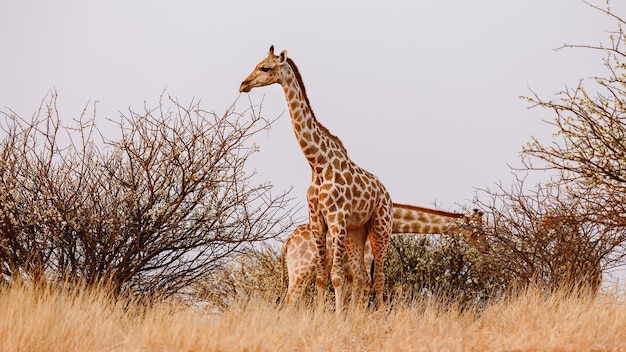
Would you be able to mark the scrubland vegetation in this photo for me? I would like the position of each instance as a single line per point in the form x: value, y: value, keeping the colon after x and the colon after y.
x: 160, y: 240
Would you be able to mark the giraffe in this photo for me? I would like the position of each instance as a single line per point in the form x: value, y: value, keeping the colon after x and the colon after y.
x: 299, y: 251
x: 343, y: 199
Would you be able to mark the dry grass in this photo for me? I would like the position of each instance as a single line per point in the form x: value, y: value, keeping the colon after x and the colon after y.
x: 44, y: 319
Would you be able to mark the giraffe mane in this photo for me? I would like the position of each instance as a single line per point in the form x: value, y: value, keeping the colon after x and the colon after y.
x: 428, y: 210
x: 296, y: 72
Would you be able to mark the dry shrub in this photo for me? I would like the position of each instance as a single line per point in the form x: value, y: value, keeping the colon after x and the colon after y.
x: 569, y: 230
x: 152, y: 212
x: 542, y: 237
x: 253, y: 274
x: 446, y: 267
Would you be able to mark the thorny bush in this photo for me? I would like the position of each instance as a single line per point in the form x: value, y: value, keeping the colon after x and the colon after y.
x: 152, y: 212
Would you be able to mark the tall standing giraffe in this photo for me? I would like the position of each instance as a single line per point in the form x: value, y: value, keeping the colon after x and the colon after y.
x: 343, y: 198
x: 299, y: 251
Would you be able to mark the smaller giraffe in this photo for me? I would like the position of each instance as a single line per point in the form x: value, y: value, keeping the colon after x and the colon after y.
x: 299, y: 250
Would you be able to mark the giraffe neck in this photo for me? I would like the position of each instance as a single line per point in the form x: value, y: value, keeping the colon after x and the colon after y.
x: 319, y: 146
x: 414, y: 219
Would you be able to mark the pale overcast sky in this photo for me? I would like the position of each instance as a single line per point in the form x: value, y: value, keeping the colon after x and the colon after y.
x: 424, y: 94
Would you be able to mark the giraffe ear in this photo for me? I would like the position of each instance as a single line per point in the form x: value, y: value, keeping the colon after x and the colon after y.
x: 283, y: 56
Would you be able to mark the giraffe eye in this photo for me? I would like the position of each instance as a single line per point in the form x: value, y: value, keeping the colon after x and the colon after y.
x: 265, y: 69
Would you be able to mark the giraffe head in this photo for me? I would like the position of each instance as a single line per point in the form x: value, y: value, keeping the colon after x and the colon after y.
x: 471, y: 227
x: 267, y: 72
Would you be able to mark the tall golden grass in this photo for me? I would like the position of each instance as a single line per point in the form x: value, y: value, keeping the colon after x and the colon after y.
x: 44, y: 318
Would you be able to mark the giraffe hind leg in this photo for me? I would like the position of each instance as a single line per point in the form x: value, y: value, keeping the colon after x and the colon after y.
x: 337, y: 273
x: 321, y: 269
x: 355, y: 244
x: 297, y: 290
x: 379, y: 241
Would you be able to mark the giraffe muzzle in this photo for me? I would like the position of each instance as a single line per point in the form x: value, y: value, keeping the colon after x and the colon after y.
x: 245, y: 87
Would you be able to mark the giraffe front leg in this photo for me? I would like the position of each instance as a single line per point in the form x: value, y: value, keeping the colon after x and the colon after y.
x: 319, y: 231
x: 337, y: 274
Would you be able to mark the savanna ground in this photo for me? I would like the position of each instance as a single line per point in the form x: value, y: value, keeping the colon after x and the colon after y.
x: 43, y: 318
